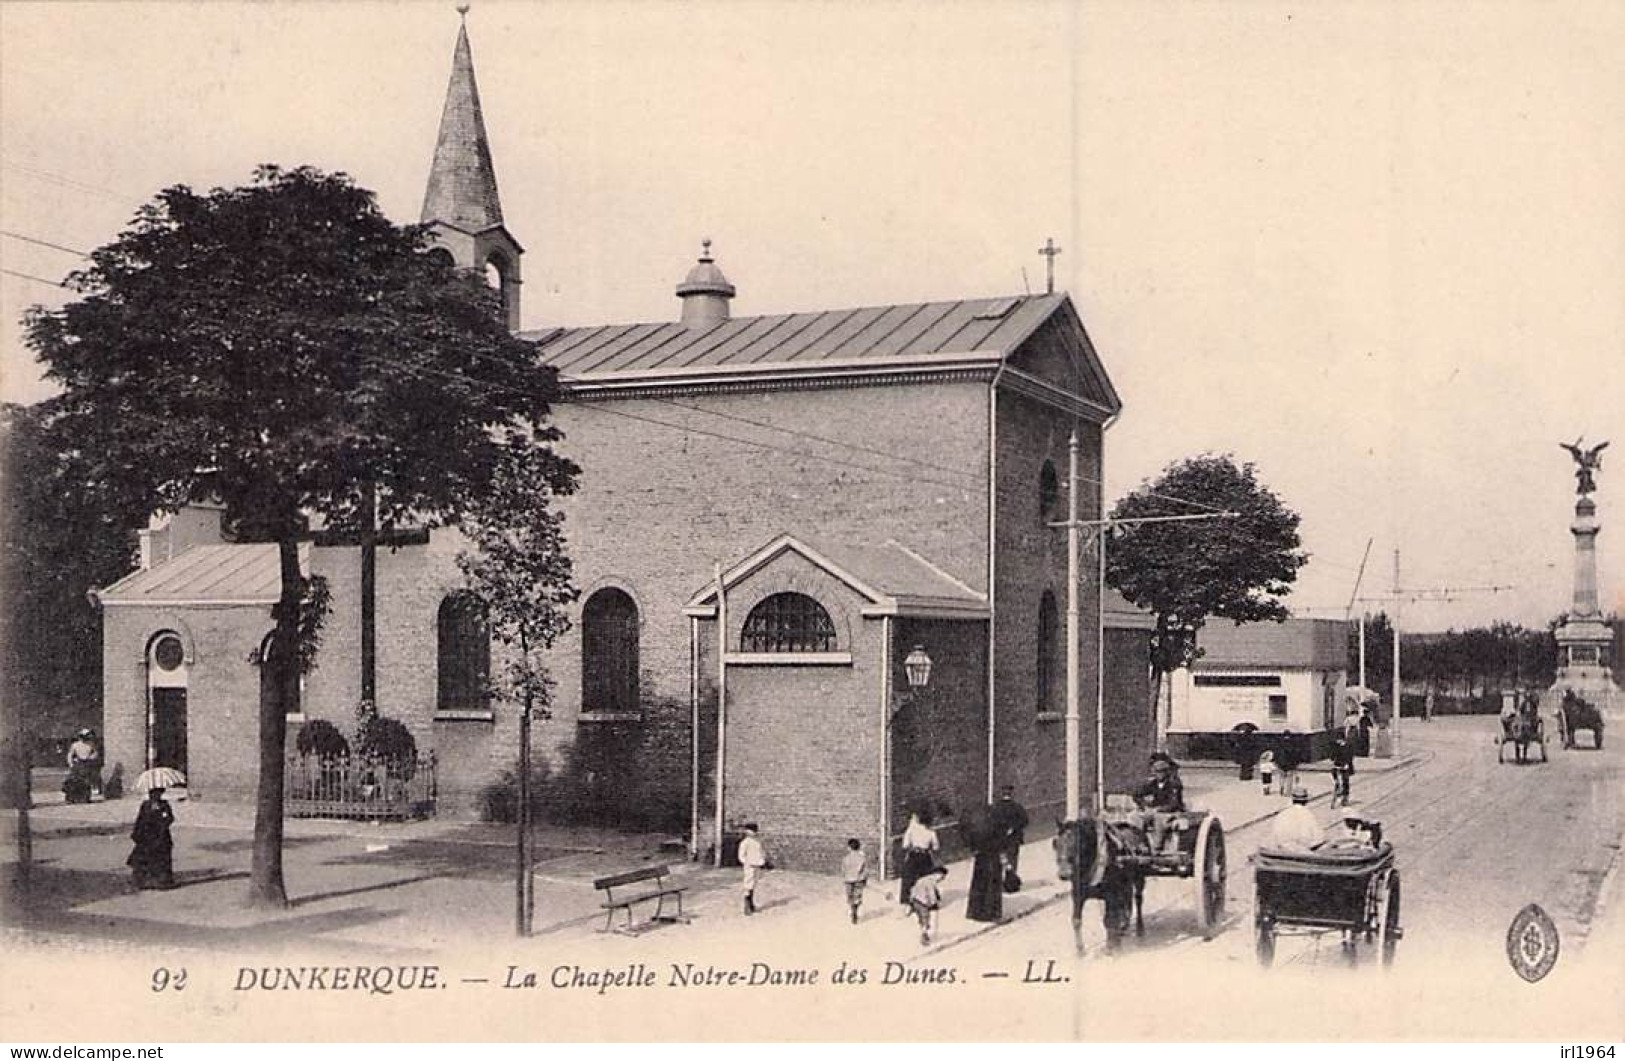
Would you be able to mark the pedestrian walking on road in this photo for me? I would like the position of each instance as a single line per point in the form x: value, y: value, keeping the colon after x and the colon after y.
x: 1286, y: 762
x: 1342, y: 770
x: 753, y: 859
x: 855, y: 874
x: 920, y: 849
x: 925, y: 898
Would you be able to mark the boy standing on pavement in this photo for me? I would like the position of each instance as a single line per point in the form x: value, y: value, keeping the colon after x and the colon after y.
x: 753, y: 858
x: 855, y: 872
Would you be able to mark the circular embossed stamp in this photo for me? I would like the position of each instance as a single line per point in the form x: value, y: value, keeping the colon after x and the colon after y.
x: 1532, y: 943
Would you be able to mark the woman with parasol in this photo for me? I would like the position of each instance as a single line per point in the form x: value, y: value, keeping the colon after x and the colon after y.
x: 152, y: 862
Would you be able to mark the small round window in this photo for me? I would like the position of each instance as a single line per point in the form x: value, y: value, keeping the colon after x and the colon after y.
x: 168, y: 653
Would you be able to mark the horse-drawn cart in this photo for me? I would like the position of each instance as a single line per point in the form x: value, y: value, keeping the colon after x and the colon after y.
x: 1577, y: 713
x: 1109, y: 858
x: 1520, y: 730
x: 1340, y: 886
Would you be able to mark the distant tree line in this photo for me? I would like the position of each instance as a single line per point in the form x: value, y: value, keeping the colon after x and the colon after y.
x: 1466, y: 670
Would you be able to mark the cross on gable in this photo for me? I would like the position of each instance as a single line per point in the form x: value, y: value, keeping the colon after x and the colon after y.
x: 1049, y: 250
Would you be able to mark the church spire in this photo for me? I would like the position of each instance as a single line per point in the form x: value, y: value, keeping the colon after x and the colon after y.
x: 462, y: 188
x: 461, y: 206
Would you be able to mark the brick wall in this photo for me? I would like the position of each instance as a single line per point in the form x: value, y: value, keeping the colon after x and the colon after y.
x: 1030, y: 746
x: 657, y: 508
x: 939, y: 734
x: 1130, y: 721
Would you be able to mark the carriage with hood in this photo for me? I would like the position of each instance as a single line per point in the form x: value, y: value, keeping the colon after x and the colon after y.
x: 1344, y: 885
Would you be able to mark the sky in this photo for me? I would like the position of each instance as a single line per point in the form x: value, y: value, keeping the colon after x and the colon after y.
x: 1378, y: 249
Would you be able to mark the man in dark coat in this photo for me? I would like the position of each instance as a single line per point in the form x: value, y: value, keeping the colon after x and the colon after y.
x: 1010, y: 821
x: 1158, y: 798
x: 152, y: 862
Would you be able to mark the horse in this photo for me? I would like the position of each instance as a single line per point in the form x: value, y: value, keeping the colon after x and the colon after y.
x: 1521, y: 729
x: 1083, y: 855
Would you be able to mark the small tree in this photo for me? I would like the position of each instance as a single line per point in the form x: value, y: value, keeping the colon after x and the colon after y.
x: 1186, y: 572
x: 284, y: 349
x: 518, y: 569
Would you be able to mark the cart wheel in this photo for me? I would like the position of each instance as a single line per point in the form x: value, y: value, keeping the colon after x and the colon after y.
x: 1209, y: 876
x: 1388, y: 919
x: 1264, y: 941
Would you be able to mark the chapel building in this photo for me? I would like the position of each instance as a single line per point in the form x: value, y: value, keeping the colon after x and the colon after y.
x: 820, y: 580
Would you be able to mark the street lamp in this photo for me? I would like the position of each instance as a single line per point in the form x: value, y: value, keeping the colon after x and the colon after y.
x: 917, y: 665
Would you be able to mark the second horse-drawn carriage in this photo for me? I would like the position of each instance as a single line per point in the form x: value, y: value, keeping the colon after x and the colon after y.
x: 1347, y: 886
x: 1108, y: 857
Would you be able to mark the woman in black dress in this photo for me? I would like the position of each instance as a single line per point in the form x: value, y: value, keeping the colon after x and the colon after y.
x: 152, y: 862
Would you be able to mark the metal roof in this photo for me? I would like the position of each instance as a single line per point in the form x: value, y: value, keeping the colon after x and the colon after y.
x: 207, y: 574
x: 1320, y: 644
x: 913, y: 332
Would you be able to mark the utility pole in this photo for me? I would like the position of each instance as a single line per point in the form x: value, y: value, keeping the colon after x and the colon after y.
x: 1399, y: 698
x: 1074, y: 678
x: 1349, y: 611
x: 1397, y: 598
x: 1073, y: 666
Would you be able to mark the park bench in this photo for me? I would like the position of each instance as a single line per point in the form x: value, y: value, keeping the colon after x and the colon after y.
x: 649, y: 883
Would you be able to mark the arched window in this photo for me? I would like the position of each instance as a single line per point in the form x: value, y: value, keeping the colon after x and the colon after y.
x: 788, y: 622
x: 441, y: 257
x: 1049, y: 490
x: 1048, y: 674
x: 463, y: 649
x: 286, y: 689
x: 609, y: 652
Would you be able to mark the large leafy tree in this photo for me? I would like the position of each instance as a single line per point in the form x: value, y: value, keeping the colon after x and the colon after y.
x: 283, y: 348
x: 1185, y: 572
x: 59, y: 538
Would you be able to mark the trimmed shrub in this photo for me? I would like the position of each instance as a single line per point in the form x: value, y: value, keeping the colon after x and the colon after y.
x: 322, y: 739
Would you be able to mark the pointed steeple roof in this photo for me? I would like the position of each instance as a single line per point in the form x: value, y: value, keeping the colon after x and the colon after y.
x: 462, y: 188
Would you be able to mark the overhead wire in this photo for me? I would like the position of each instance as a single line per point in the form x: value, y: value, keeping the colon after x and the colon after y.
x: 31, y: 276
x: 794, y: 432
x: 44, y: 243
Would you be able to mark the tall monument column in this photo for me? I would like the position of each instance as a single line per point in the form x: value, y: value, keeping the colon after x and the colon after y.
x: 1584, y: 639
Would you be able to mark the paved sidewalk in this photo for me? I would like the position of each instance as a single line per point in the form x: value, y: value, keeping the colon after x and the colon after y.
x: 425, y: 886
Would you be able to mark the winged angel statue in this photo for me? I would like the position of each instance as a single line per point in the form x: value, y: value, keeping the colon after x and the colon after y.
x: 1587, y: 462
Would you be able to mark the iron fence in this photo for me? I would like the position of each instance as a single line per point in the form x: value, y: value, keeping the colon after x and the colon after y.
x: 352, y: 786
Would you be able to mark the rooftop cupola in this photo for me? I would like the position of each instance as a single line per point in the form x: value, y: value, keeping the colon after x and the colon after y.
x: 705, y: 292
x: 461, y: 203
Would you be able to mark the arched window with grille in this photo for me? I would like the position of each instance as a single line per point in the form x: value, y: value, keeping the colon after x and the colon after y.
x: 609, y: 652
x: 1047, y: 687
x: 463, y: 655
x: 285, y: 689
x: 788, y: 622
